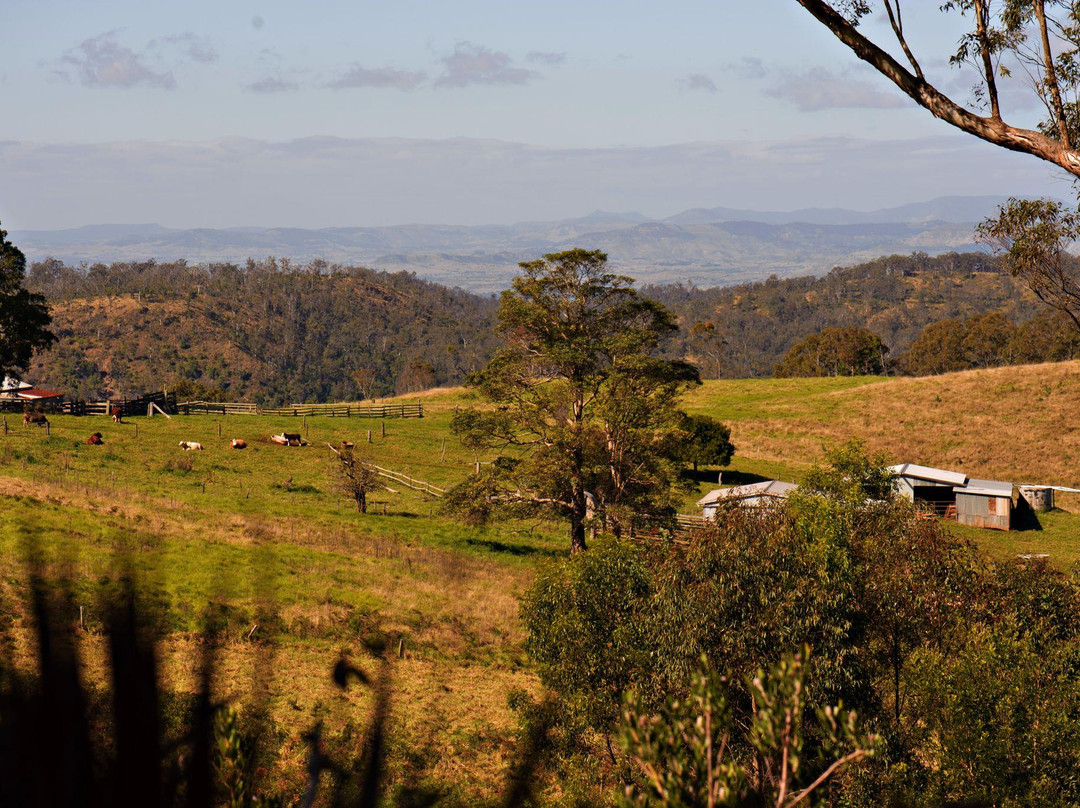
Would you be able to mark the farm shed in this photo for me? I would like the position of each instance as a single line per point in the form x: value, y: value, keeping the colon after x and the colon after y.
x: 985, y: 503
x: 752, y: 495
x: 17, y: 394
x: 953, y: 495
x: 932, y: 487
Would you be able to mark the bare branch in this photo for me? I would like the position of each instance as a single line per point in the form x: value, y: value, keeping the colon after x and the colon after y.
x: 982, y: 33
x: 1051, y: 76
x: 897, y: 23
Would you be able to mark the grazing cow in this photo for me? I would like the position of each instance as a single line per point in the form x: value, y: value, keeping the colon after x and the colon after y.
x: 190, y: 446
x: 289, y: 439
x: 117, y: 413
x: 236, y: 443
x: 35, y: 418
x: 95, y: 439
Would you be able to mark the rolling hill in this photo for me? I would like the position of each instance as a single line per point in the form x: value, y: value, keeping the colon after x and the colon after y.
x: 708, y: 247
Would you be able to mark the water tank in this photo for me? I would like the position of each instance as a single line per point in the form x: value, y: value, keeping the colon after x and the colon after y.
x: 1039, y: 497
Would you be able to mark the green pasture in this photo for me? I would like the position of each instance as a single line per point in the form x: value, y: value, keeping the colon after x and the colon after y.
x: 750, y: 399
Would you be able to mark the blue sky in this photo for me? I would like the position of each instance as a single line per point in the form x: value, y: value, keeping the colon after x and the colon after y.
x: 150, y: 111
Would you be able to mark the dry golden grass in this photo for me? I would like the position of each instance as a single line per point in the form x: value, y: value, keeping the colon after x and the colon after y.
x: 1011, y: 423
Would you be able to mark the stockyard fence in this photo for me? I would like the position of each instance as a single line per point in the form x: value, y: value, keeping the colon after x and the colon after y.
x: 165, y: 402
x: 402, y: 410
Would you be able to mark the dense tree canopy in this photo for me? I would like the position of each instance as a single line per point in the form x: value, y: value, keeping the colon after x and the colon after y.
x: 1034, y: 237
x: 964, y: 666
x: 24, y: 316
x: 267, y: 331
x: 835, y: 352
x: 989, y: 340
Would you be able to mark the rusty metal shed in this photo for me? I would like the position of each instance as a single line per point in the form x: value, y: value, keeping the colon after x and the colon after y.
x: 985, y: 503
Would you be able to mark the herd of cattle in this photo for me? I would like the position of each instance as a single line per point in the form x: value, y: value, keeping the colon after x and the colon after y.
x: 96, y: 439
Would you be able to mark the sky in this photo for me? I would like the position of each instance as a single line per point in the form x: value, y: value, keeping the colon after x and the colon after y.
x: 353, y: 113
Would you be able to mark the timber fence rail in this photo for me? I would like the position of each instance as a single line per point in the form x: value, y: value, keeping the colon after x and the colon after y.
x: 403, y: 410
x: 165, y: 402
x: 409, y: 482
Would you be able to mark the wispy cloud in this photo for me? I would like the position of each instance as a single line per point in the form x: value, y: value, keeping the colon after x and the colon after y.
x: 190, y: 46
x: 102, y: 61
x: 271, y: 84
x: 385, y: 77
x: 698, y: 81
x: 312, y: 182
x: 546, y: 57
x: 475, y: 64
x: 749, y: 67
x: 819, y: 88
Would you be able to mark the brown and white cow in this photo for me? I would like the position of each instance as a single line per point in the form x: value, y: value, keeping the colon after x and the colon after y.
x: 117, y: 413
x: 95, y: 439
x: 35, y: 418
x: 190, y: 446
x: 237, y: 443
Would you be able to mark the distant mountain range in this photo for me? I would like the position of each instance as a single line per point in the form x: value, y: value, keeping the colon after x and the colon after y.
x: 710, y: 247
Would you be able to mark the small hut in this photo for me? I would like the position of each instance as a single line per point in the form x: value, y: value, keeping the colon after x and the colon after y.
x: 985, y: 503
x: 753, y: 495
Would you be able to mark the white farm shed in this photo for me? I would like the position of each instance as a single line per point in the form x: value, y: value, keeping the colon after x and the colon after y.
x: 953, y: 495
x: 751, y: 495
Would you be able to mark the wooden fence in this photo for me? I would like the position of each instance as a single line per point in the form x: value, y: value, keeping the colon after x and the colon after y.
x: 128, y: 406
x: 410, y: 410
x: 409, y: 482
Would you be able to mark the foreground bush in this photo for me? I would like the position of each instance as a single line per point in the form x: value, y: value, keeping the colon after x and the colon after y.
x: 966, y: 668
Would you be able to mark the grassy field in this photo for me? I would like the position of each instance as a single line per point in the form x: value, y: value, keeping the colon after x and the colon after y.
x: 1014, y: 423
x: 239, y: 527
x: 265, y: 534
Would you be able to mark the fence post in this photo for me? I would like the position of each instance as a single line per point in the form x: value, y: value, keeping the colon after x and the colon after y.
x: 305, y: 426
x: 383, y: 422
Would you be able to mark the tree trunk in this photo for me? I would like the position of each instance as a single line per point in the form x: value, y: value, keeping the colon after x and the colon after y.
x: 577, y: 517
x: 361, y: 501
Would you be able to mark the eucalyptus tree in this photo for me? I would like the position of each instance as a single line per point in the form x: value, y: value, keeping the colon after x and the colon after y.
x: 24, y: 316
x: 581, y: 399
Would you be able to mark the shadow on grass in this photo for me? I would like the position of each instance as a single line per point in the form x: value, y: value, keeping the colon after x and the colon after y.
x: 1024, y: 519
x: 514, y: 549
x: 728, y: 477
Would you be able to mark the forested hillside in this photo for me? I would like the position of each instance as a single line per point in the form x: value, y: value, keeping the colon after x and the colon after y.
x: 744, y: 331
x: 271, y: 331
x: 267, y: 332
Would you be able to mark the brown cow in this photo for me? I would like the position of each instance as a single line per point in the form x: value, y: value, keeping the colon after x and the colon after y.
x: 117, y: 413
x: 95, y: 439
x: 35, y: 418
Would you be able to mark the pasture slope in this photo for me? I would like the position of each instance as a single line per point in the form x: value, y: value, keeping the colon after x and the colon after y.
x: 264, y: 538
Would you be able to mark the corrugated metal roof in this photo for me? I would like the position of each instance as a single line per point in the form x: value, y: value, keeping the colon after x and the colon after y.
x: 769, y: 488
x: 989, y: 488
x: 929, y: 474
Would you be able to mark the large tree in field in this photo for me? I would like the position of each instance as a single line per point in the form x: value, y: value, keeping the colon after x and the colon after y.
x: 581, y: 401
x: 24, y: 317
